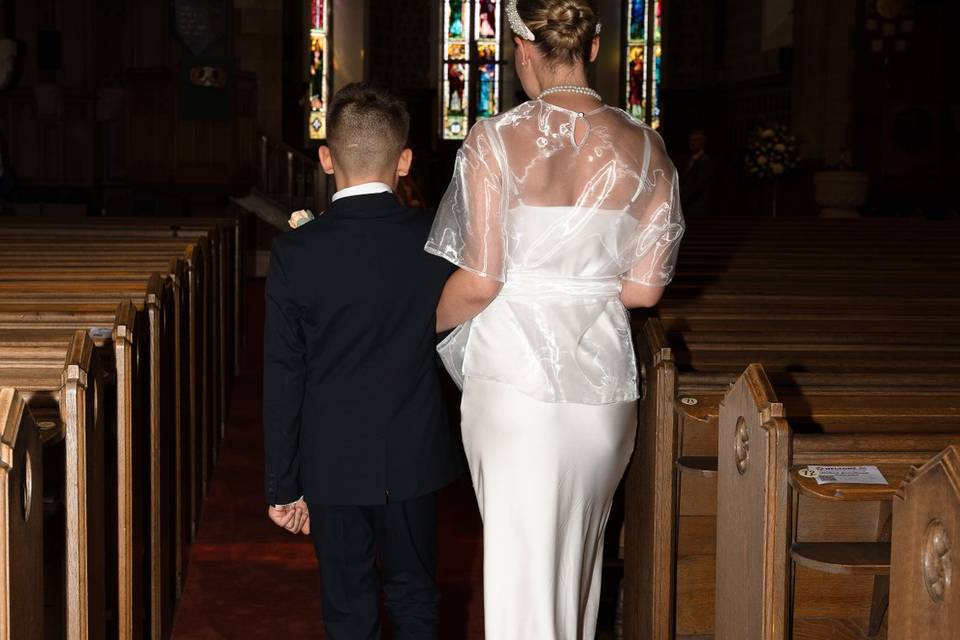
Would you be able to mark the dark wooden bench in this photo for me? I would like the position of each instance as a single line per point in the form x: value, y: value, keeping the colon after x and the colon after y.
x: 156, y: 303
x: 781, y: 535
x: 66, y: 400
x: 21, y: 521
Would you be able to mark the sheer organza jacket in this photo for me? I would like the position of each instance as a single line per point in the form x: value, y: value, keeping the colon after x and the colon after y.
x: 561, y: 213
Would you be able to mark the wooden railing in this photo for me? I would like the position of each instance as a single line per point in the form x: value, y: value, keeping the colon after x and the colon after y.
x: 290, y: 177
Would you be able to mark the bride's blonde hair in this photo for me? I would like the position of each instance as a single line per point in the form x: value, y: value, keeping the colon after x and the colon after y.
x: 564, y: 29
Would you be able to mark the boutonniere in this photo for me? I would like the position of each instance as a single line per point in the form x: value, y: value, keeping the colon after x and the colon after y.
x: 300, y: 218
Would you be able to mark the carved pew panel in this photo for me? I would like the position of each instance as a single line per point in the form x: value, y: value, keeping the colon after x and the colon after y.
x: 21, y: 521
x: 752, y: 513
x: 924, y: 589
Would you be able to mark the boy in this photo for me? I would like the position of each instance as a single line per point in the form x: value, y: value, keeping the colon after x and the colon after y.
x: 353, y: 416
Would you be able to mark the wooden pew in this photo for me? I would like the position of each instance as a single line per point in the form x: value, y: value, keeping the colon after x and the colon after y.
x: 156, y: 301
x: 21, y: 521
x: 225, y: 235
x: 124, y: 353
x: 924, y: 580
x: 199, y: 391
x: 133, y: 250
x: 192, y: 312
x: 18, y: 266
x: 670, y: 428
x: 755, y: 512
x: 67, y: 402
x: 223, y: 249
x: 752, y: 513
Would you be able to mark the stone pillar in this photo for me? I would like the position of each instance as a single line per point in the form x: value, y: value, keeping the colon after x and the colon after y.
x: 823, y: 77
x: 258, y: 46
x: 350, y: 40
x: 608, y: 70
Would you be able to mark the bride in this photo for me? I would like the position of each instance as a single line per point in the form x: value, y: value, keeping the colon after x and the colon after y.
x: 562, y: 213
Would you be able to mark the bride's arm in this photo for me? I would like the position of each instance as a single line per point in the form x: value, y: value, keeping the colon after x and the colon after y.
x: 464, y: 296
x: 634, y: 295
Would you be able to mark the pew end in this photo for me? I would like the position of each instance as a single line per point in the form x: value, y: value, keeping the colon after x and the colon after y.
x: 752, y: 512
x: 924, y: 578
x: 21, y: 521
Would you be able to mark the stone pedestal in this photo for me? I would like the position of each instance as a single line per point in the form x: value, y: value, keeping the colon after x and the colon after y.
x: 840, y: 194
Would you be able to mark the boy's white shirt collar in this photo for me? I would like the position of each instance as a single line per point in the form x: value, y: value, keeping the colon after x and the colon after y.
x: 364, y: 189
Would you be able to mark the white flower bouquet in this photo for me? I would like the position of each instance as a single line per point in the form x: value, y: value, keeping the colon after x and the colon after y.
x: 771, y: 152
x: 300, y: 218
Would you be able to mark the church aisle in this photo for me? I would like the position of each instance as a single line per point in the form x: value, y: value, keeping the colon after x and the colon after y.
x: 249, y: 579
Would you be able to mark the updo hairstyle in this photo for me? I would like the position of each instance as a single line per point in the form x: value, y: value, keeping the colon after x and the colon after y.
x: 564, y: 29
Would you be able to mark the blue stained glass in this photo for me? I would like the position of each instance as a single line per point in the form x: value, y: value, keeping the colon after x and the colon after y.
x: 638, y: 19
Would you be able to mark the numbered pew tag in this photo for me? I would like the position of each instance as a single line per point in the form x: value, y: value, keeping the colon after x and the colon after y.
x: 823, y: 474
x: 101, y: 333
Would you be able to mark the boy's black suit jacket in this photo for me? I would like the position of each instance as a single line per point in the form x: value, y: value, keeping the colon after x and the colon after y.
x: 352, y: 409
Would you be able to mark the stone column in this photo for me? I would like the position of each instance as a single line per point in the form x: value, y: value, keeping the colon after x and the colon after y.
x: 608, y: 69
x: 823, y: 77
x: 258, y: 45
x: 350, y: 39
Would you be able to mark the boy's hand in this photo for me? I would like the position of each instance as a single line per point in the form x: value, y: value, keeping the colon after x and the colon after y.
x: 295, y: 518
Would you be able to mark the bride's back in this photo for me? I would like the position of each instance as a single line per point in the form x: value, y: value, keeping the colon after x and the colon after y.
x: 552, y: 156
x: 542, y: 188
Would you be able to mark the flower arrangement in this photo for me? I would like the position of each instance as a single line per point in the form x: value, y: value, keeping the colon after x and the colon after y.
x: 771, y: 152
x: 300, y: 218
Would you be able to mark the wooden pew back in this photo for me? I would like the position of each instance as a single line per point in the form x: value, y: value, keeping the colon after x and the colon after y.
x: 21, y: 521
x: 925, y: 563
x: 752, y: 512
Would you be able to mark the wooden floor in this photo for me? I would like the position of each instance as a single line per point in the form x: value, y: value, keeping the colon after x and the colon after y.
x: 249, y: 579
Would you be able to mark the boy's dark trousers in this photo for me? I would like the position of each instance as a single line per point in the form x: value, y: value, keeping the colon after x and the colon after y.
x: 350, y: 539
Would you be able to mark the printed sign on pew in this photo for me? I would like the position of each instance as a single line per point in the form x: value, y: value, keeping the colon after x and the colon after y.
x: 824, y: 474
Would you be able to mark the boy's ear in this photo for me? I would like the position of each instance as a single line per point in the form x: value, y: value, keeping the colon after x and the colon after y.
x: 326, y: 159
x: 405, y: 162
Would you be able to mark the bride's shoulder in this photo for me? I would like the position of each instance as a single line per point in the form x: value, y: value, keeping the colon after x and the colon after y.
x: 506, y: 119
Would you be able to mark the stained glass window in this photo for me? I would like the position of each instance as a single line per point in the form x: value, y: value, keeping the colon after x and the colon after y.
x: 644, y: 59
x: 472, y: 61
x: 319, y: 66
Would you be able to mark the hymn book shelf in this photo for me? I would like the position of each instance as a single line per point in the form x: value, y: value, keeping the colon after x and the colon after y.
x: 855, y: 339
x: 148, y: 296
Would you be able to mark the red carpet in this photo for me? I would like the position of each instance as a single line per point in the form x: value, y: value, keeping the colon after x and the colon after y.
x: 249, y: 579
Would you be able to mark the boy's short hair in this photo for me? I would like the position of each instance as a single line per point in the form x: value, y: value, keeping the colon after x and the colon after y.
x: 367, y: 128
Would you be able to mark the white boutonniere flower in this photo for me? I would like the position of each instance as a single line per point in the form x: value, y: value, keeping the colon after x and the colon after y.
x: 300, y: 218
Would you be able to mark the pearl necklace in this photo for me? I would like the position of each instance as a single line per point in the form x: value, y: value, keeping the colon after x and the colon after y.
x: 571, y: 88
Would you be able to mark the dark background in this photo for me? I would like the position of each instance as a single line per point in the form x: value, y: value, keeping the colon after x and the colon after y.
x: 93, y: 119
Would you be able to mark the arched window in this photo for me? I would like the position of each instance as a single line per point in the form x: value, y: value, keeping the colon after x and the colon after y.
x: 644, y: 55
x: 319, y: 68
x: 472, y: 55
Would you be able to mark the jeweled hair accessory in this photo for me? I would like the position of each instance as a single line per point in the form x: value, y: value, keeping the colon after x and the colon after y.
x: 517, y: 25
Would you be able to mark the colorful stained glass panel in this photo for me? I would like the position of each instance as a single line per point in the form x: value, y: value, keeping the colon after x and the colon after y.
x: 456, y: 69
x: 319, y: 69
x: 644, y: 60
x: 472, y: 61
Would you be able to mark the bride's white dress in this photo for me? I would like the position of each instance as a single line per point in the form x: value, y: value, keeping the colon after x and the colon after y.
x: 560, y: 207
